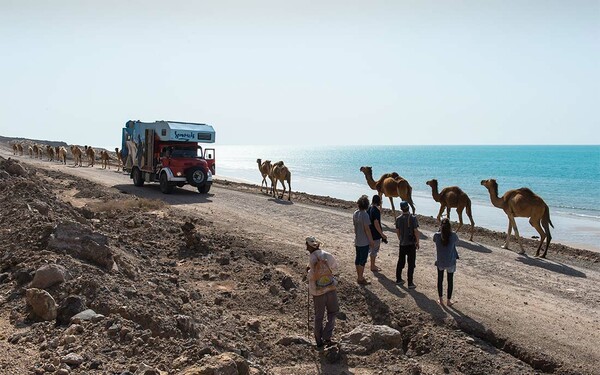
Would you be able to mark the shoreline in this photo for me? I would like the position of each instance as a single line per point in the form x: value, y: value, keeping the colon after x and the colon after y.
x: 429, y: 223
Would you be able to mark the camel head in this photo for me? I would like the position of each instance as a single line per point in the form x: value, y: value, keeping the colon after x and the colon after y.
x: 491, y: 185
x: 433, y: 183
x: 367, y: 170
x: 259, y: 161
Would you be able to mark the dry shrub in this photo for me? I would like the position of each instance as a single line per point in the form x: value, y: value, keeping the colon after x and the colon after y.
x: 138, y: 204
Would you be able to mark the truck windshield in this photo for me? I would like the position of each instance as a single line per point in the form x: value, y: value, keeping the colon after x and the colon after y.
x: 184, y: 153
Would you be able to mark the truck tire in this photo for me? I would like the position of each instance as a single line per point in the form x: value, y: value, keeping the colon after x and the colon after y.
x: 138, y: 179
x: 165, y: 185
x: 196, y: 176
x: 204, y: 189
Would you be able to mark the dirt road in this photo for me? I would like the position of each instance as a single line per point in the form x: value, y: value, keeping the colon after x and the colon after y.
x: 540, y: 311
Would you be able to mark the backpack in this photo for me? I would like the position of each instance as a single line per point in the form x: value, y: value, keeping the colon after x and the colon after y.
x: 324, y: 278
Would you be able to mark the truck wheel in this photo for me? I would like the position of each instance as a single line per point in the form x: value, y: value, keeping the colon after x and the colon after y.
x: 165, y: 185
x: 138, y: 179
x: 196, y: 176
x: 204, y: 189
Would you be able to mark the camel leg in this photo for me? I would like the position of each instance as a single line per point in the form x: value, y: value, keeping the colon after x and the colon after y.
x: 439, y: 216
x: 536, y: 224
x: 508, y: 232
x: 289, y: 181
x: 518, y: 235
x: 283, y: 191
x: 460, y: 220
x: 275, y: 189
x: 393, y: 208
x: 261, y: 184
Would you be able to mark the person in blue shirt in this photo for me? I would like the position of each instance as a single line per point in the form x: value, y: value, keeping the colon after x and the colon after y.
x: 445, y: 246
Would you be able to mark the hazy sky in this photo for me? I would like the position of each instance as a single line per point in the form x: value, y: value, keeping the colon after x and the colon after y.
x: 291, y: 72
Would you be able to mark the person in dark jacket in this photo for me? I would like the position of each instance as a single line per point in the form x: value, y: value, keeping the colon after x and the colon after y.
x: 445, y: 246
x: 407, y: 230
x: 376, y: 232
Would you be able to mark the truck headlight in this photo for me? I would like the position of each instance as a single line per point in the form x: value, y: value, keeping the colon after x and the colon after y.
x: 179, y: 174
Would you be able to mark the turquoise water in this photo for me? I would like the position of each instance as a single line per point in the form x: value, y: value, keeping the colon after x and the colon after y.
x: 566, y: 177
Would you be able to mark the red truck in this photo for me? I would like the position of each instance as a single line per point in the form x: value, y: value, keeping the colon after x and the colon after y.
x: 169, y: 152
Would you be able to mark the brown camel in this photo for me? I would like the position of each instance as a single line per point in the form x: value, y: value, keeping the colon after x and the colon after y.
x: 77, y: 155
x: 50, y: 153
x: 522, y: 203
x: 104, y: 158
x: 20, y: 149
x: 62, y: 155
x: 279, y: 172
x: 40, y: 152
x: 56, y: 151
x: 30, y: 151
x: 265, y: 168
x: 119, y: 160
x: 91, y: 155
x: 15, y: 149
x: 452, y: 197
x: 392, y: 185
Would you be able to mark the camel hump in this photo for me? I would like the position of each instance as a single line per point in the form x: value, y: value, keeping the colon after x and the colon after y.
x: 279, y: 163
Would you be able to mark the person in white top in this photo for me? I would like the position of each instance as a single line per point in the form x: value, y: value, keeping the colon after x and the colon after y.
x: 322, y: 286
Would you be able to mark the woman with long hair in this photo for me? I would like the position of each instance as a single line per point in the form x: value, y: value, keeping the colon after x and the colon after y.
x: 445, y: 245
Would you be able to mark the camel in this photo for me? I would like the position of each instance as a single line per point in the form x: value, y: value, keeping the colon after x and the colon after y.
x: 15, y: 149
x: 392, y: 185
x: 20, y: 149
x: 40, y: 151
x: 30, y: 151
x: 119, y: 159
x: 50, y: 153
x: 279, y: 172
x: 105, y: 158
x: 91, y: 155
x: 56, y: 151
x: 62, y: 155
x: 452, y: 197
x: 265, y: 168
x: 77, y: 155
x: 522, y: 203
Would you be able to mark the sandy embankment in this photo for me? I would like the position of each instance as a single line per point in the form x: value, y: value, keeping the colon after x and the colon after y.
x: 539, y: 311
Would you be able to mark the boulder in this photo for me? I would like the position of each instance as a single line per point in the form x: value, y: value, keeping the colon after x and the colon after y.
x: 23, y: 275
x: 48, y: 275
x: 222, y: 364
x: 82, y: 243
x: 72, y: 359
x: 69, y: 307
x: 186, y: 325
x: 367, y: 338
x: 288, y: 283
x: 14, y: 168
x: 87, y: 315
x: 289, y: 340
x: 42, y: 304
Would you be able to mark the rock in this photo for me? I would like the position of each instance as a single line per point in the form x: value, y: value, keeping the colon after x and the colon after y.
x: 69, y: 307
x: 4, y: 174
x: 289, y: 340
x: 72, y: 359
x: 367, y: 338
x: 48, y: 275
x: 288, y: 283
x: 186, y: 325
x: 254, y: 324
x: 62, y: 371
x: 4, y: 277
x: 144, y: 369
x: 274, y: 290
x: 23, y: 276
x: 80, y: 242
x: 85, y: 315
x: 222, y: 364
x: 42, y: 304
x: 14, y: 168
x: 69, y: 339
x: 74, y: 329
x: 223, y: 260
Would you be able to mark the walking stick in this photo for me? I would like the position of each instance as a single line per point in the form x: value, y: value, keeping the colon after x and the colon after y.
x: 308, y: 311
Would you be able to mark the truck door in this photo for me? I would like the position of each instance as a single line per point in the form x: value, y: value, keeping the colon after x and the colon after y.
x: 148, y: 163
x: 209, y: 156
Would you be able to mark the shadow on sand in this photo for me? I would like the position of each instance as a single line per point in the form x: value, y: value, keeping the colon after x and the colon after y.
x: 389, y: 285
x: 281, y: 201
x: 550, y: 266
x: 177, y: 197
x: 427, y: 305
x: 474, y: 246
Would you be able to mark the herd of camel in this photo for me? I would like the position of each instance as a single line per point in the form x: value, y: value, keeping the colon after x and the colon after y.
x: 59, y: 153
x: 515, y: 203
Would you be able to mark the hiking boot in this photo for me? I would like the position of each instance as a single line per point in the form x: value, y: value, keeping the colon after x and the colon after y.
x: 399, y: 282
x: 411, y: 286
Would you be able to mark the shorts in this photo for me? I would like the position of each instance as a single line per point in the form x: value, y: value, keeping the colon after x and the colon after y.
x: 362, y: 252
x: 373, y: 251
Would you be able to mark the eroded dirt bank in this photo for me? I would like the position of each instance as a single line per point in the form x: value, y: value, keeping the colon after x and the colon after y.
x: 194, y: 276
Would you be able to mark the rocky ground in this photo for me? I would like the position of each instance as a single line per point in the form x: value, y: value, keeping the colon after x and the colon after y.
x: 94, y: 279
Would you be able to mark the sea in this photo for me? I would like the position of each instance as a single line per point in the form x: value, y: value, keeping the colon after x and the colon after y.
x: 566, y: 177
